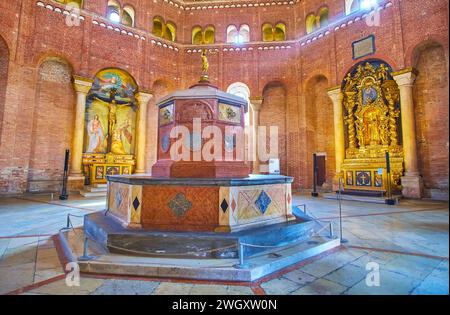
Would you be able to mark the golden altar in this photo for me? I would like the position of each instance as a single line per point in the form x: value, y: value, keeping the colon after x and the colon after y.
x: 372, y: 128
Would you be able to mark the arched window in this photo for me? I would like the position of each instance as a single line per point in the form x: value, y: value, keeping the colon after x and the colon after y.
x: 158, y: 25
x: 113, y: 11
x: 170, y: 31
x: 323, y: 17
x: 197, y: 35
x: 279, y: 34
x: 241, y: 89
x: 311, y: 25
x: 74, y: 3
x: 232, y: 32
x: 352, y: 6
x: 244, y: 34
x: 210, y: 35
x: 267, y: 32
x: 128, y: 16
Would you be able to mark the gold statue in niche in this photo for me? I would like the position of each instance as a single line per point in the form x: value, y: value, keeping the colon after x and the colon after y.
x: 371, y: 107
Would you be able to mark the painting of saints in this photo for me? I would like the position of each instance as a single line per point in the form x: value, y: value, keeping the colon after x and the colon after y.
x: 96, y: 136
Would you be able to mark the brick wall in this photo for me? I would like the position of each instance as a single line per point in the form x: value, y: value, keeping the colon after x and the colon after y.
x: 431, y: 109
x: 33, y: 34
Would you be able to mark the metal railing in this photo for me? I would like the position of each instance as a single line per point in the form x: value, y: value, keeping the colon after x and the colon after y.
x: 329, y: 225
x: 69, y: 226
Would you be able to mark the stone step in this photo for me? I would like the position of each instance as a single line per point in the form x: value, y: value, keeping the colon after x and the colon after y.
x: 89, y: 194
x: 95, y: 189
x: 379, y: 200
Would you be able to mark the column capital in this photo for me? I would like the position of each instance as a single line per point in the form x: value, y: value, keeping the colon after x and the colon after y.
x: 144, y: 96
x: 405, y: 77
x: 256, y: 103
x: 81, y: 84
x: 335, y: 93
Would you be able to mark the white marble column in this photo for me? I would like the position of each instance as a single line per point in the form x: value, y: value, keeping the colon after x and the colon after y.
x: 412, y: 181
x: 337, y: 97
x: 82, y: 87
x: 141, y: 130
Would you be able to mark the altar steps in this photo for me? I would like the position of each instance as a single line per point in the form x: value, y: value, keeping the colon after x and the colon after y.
x: 97, y: 190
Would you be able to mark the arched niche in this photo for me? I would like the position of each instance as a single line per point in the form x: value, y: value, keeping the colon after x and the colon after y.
x: 319, y: 130
x: 52, y: 124
x: 431, y: 96
x: 241, y: 89
x: 128, y: 16
x: 273, y: 114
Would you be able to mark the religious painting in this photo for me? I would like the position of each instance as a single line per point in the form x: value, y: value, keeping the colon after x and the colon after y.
x: 114, y: 84
x: 112, y: 170
x: 122, y: 141
x: 349, y: 178
x: 377, y: 180
x: 111, y: 114
x: 166, y: 115
x: 165, y: 143
x: 126, y: 170
x: 363, y: 178
x: 96, y: 133
x: 229, y: 113
x: 99, y: 172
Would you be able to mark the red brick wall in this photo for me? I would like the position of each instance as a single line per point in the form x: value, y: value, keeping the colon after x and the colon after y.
x: 34, y: 33
x: 431, y: 109
x: 273, y: 113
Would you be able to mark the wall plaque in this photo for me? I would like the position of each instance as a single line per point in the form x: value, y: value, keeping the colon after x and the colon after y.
x: 363, y: 47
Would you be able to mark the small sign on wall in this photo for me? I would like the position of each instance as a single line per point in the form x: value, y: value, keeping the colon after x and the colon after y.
x: 363, y: 47
x: 274, y: 166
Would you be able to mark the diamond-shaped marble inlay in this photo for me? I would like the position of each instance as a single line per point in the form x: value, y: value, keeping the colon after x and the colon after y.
x: 233, y: 205
x: 179, y: 204
x: 289, y: 198
x: 136, y: 203
x: 263, y: 202
x: 224, y: 206
x: 118, y: 198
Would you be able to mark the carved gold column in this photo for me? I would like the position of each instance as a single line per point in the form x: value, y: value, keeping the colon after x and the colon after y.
x: 350, y: 119
x: 143, y: 99
x: 412, y: 181
x: 76, y: 178
x: 256, y: 106
x: 337, y: 97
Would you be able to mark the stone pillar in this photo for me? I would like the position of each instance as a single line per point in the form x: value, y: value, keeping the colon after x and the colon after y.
x: 76, y: 178
x: 141, y: 129
x: 337, y: 97
x: 412, y: 181
x: 256, y: 106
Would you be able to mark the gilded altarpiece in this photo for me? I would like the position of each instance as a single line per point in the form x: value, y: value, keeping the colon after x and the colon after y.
x: 110, y: 126
x: 372, y: 128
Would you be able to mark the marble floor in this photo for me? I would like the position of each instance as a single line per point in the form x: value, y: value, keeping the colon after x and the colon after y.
x: 408, y: 244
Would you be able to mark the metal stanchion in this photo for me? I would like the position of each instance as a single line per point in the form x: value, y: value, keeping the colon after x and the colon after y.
x: 86, y: 256
x: 389, y: 199
x: 314, y: 193
x: 241, y: 256
x: 343, y: 240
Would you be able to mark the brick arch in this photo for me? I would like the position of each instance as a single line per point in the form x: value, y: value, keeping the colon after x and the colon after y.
x: 52, y: 123
x: 4, y: 67
x: 412, y: 50
x: 319, y: 126
x: 431, y: 95
x: 273, y: 113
